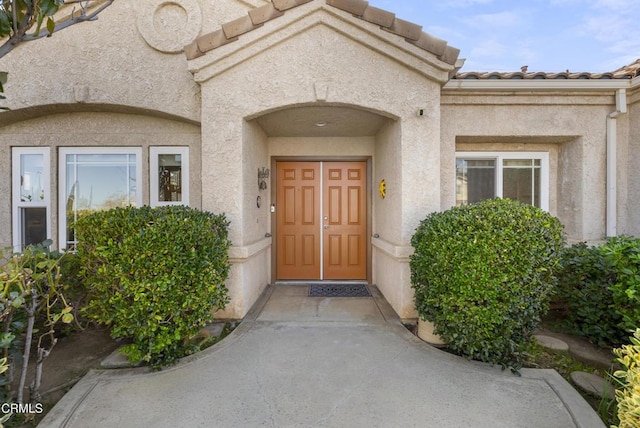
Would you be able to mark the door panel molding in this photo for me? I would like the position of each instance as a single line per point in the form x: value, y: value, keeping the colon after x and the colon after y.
x: 346, y: 192
x: 297, y: 218
x: 321, y: 220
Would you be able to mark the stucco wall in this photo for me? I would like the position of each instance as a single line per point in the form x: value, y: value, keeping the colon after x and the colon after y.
x: 256, y: 221
x: 632, y: 225
x: 322, y: 146
x: 94, y: 130
x: 130, y: 56
x: 574, y: 124
x: 387, y: 212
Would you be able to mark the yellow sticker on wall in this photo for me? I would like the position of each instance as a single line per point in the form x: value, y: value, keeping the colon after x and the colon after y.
x: 383, y: 188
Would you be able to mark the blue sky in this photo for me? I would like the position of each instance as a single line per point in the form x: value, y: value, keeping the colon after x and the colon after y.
x: 546, y: 35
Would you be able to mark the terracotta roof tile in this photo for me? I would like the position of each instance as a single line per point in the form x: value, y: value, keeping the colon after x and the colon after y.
x: 430, y: 43
x: 387, y: 21
x: 627, y: 72
x: 264, y: 13
x: 405, y: 29
x: 213, y: 40
x: 283, y: 5
x: 192, y: 50
x: 450, y: 55
x: 356, y: 7
x: 379, y: 17
x: 238, y: 27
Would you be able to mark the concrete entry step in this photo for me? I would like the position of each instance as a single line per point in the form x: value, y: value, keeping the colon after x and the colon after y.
x: 291, y: 302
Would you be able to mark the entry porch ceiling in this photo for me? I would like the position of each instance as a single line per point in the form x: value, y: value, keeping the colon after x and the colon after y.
x: 338, y: 122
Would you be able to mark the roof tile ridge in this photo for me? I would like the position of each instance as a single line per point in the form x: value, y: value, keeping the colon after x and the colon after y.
x: 387, y: 21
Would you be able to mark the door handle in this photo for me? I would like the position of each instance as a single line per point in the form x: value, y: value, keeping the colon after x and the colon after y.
x: 326, y: 226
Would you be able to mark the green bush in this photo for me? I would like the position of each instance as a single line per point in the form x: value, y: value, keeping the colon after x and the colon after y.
x: 483, y: 273
x: 155, y: 275
x: 584, y: 283
x: 601, y: 288
x: 623, y: 253
x: 628, y: 395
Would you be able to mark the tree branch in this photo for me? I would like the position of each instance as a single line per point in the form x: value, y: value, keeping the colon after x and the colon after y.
x: 15, y: 16
x: 20, y: 31
x: 31, y: 313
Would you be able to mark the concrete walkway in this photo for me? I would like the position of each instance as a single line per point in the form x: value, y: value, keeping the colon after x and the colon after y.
x: 297, y: 361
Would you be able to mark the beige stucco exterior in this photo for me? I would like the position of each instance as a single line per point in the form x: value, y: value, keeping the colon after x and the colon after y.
x: 254, y: 100
x: 632, y: 220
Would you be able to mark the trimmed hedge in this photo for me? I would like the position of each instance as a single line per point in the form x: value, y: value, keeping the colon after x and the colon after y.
x: 154, y: 275
x: 601, y: 288
x: 483, y: 273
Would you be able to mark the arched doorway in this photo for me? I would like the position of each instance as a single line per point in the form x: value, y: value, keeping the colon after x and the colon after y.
x: 321, y: 158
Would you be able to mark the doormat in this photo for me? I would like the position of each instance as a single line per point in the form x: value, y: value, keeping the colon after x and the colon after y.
x: 338, y: 290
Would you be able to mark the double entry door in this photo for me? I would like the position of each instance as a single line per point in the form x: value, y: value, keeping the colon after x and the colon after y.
x: 321, y: 220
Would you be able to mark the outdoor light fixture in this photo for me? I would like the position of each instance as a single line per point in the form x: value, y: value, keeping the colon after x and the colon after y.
x: 263, y: 174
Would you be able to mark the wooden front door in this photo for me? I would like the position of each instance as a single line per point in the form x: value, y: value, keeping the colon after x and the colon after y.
x: 321, y: 220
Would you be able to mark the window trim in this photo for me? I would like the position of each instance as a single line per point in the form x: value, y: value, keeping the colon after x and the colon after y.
x: 499, y: 157
x: 62, y: 179
x: 154, y: 153
x: 17, y: 204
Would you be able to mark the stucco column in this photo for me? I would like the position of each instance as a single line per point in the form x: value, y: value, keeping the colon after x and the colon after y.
x: 408, y: 157
x: 420, y: 154
x: 231, y: 155
x: 222, y: 187
x: 222, y: 169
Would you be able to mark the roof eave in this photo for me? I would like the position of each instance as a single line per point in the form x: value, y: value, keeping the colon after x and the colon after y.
x: 300, y: 19
x: 538, y: 85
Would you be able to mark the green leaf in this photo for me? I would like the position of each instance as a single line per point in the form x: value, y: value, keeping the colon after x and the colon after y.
x: 51, y: 25
x: 18, y: 302
x: 5, y: 23
x: 49, y: 7
x: 39, y: 19
x: 6, y: 339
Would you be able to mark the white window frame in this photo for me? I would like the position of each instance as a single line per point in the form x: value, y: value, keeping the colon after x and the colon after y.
x: 62, y: 179
x: 154, y: 153
x: 499, y: 157
x: 17, y: 204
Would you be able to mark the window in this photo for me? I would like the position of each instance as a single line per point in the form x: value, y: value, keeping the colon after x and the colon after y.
x: 31, y: 198
x: 514, y: 175
x: 169, y: 176
x: 94, y: 179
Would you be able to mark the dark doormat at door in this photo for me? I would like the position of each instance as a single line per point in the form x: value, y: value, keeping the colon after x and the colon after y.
x: 339, y: 290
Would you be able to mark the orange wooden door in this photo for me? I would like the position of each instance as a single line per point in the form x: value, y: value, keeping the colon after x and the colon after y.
x: 344, y: 220
x: 321, y: 211
x: 298, y: 220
